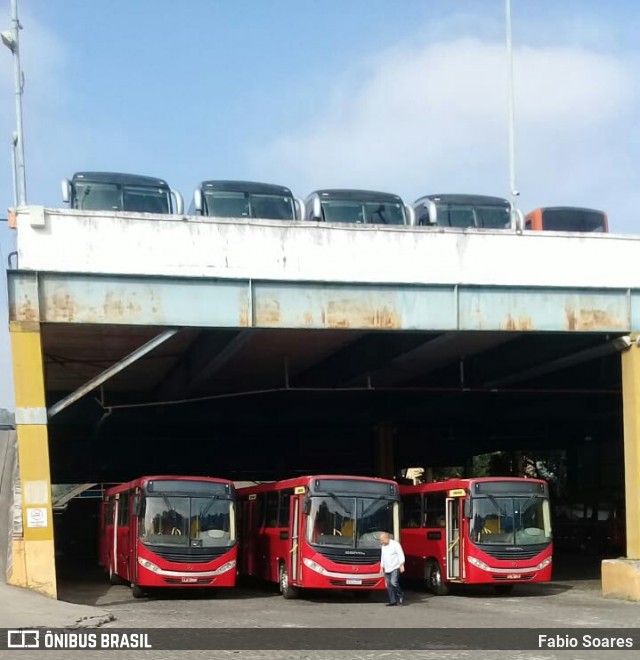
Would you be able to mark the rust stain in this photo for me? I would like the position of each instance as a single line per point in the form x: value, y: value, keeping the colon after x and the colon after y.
x: 307, y: 318
x: 23, y: 311
x: 243, y: 321
x: 268, y: 313
x: 346, y: 313
x: 521, y: 323
x: 62, y: 307
x: 591, y: 319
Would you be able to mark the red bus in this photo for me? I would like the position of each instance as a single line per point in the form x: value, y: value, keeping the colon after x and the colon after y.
x: 169, y: 531
x: 319, y: 532
x: 567, y: 218
x: 477, y: 531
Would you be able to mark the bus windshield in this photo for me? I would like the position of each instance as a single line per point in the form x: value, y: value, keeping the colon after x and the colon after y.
x: 375, y: 213
x: 462, y: 215
x: 115, y: 197
x: 352, y: 522
x: 510, y: 520
x: 573, y: 220
x: 201, y: 522
x: 227, y: 204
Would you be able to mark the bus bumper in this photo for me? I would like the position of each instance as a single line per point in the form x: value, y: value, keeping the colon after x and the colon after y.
x: 151, y: 575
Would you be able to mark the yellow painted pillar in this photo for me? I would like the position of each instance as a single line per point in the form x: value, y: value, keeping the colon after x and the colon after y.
x: 621, y: 577
x: 33, y: 564
x: 383, y: 443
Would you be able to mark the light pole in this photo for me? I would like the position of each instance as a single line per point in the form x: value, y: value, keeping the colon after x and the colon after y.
x: 11, y: 39
x: 512, y: 138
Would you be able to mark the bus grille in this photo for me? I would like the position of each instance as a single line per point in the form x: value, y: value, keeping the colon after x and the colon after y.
x: 179, y: 581
x: 186, y: 557
x: 343, y: 583
x: 340, y: 558
x: 501, y: 553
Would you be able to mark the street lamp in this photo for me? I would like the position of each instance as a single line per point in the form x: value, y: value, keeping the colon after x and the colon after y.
x: 11, y: 40
x: 512, y: 139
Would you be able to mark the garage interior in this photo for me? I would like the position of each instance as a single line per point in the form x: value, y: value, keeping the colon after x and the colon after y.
x: 256, y: 405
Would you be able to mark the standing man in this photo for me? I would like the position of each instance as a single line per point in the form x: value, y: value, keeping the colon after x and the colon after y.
x: 392, y: 564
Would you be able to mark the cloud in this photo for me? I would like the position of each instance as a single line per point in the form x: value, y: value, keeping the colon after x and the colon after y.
x: 433, y: 119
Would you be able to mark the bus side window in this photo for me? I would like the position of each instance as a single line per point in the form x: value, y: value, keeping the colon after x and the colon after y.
x: 258, y: 510
x: 283, y: 516
x: 434, y: 514
x: 271, y: 510
x: 123, y: 509
x: 411, y: 510
x: 108, y: 512
x: 527, y: 224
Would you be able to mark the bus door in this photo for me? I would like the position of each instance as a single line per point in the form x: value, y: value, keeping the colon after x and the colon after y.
x: 250, y: 531
x: 121, y: 533
x: 295, y: 515
x: 454, y: 553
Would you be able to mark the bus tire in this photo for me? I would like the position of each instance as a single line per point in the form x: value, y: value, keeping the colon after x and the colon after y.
x: 113, y: 578
x: 288, y: 591
x: 137, y: 591
x: 435, y: 581
x: 503, y: 589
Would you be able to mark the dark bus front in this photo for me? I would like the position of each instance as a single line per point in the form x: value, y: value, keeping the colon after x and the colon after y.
x: 111, y: 191
x: 567, y: 218
x: 464, y: 211
x: 357, y: 207
x: 243, y: 199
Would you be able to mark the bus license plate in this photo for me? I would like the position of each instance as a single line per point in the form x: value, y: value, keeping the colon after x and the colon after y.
x: 189, y: 579
x: 514, y: 576
x: 354, y: 581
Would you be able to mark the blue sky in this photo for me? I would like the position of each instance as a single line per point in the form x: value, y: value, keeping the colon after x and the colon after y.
x: 401, y: 95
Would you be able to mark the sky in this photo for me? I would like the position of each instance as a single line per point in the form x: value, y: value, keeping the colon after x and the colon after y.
x: 405, y: 96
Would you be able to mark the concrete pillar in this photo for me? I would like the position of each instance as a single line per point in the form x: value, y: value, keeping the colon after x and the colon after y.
x: 384, y: 450
x: 621, y: 577
x: 33, y: 555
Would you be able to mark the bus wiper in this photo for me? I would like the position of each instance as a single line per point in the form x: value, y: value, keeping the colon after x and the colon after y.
x: 494, y: 501
x: 212, y: 499
x: 334, y: 497
x: 375, y: 501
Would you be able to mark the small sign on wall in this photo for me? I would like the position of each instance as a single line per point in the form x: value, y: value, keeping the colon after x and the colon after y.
x: 36, y: 516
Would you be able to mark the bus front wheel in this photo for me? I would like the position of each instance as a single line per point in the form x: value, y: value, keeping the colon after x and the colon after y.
x: 435, y: 580
x: 136, y: 591
x: 286, y: 589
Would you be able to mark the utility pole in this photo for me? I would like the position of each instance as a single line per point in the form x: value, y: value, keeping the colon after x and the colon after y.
x: 11, y: 39
x: 510, y: 91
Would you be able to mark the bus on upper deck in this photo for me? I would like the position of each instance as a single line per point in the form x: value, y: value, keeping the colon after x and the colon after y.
x: 245, y: 199
x: 465, y: 211
x: 114, y: 191
x: 477, y: 531
x: 360, y: 207
x: 169, y: 531
x: 567, y: 218
x: 319, y: 532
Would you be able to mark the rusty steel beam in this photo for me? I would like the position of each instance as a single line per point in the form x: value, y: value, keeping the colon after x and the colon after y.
x: 111, y: 371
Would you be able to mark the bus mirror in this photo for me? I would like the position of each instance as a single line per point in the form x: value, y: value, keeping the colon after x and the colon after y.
x: 66, y: 191
x: 316, y: 210
x: 410, y: 215
x: 197, y: 200
x: 306, y: 506
x: 432, y: 210
x: 300, y: 208
x: 179, y: 202
x: 466, y: 508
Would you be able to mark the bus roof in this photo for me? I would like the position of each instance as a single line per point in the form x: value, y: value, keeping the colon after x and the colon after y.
x: 119, y: 178
x: 471, y: 200
x: 255, y: 187
x: 357, y: 195
x: 140, y: 481
x: 305, y: 480
x: 568, y: 208
x: 461, y: 482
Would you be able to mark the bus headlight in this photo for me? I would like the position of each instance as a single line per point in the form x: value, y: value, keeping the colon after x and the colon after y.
x: 313, y: 566
x: 225, y: 567
x: 148, y: 564
x: 544, y: 563
x: 478, y: 564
